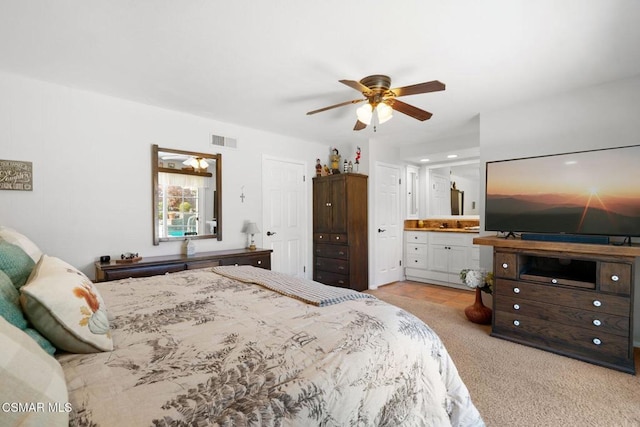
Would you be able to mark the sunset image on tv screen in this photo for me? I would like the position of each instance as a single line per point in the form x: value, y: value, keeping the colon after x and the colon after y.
x: 592, y: 192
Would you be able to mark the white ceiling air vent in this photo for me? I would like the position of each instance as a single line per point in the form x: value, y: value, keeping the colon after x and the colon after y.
x: 224, y: 141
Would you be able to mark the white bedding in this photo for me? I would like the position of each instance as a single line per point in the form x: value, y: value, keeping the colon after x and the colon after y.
x: 197, y: 348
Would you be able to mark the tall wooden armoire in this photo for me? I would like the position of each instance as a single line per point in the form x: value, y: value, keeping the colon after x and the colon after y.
x: 340, y: 244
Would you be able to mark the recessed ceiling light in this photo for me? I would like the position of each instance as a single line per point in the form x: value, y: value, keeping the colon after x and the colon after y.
x: 452, y: 156
x: 424, y: 160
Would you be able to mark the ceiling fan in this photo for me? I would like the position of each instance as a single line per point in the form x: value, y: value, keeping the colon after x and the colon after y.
x: 383, y: 100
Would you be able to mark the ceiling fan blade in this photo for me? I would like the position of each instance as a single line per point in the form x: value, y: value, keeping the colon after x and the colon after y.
x: 355, y: 101
x: 432, y: 86
x: 357, y: 86
x: 359, y: 125
x: 409, y: 110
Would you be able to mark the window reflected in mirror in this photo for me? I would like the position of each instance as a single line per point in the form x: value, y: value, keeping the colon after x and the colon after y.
x: 186, y: 195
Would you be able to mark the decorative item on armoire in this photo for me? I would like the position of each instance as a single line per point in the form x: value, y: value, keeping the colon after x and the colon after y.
x: 358, y: 152
x: 482, y: 282
x: 335, y: 161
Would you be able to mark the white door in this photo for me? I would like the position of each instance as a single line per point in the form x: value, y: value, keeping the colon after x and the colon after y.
x: 388, y: 227
x: 284, y: 214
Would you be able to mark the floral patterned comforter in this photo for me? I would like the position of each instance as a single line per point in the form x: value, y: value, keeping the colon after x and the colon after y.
x: 196, y: 348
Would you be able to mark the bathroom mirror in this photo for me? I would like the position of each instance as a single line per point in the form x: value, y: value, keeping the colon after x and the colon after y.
x: 187, y: 195
x: 445, y: 198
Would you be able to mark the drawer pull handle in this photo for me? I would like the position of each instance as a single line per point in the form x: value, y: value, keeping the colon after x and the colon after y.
x: 597, y: 341
x: 321, y: 237
x: 341, y: 268
x: 415, y: 249
x: 415, y: 260
x: 337, y: 237
x: 597, y: 322
x: 505, y: 265
x: 554, y: 281
x: 516, y: 306
x: 516, y: 290
x: 340, y: 253
x: 614, y: 278
x: 597, y: 303
x: 341, y: 282
x: 516, y: 323
x: 259, y: 262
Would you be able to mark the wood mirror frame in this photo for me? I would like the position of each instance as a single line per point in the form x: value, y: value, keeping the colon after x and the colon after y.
x: 207, y: 218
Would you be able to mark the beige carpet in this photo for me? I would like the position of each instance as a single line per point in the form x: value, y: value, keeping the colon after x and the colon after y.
x: 515, y: 385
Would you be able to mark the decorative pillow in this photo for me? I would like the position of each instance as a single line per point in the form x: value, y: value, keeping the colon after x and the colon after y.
x: 33, y: 378
x: 65, y: 307
x: 10, y: 309
x: 22, y: 241
x: 15, y: 262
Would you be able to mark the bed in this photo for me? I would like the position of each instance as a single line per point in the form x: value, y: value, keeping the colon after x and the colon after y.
x: 241, y: 346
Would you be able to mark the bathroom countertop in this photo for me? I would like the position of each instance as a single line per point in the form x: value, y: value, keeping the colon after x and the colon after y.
x: 443, y: 229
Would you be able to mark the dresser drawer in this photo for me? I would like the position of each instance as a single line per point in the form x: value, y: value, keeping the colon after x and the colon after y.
x: 331, y: 251
x: 608, y: 323
x: 334, y: 265
x: 550, y: 294
x: 415, y: 262
x: 256, y: 261
x: 321, y: 237
x: 194, y: 265
x: 416, y: 237
x: 339, y: 238
x: 416, y: 250
x: 331, y: 279
x: 330, y: 238
x: 506, y: 265
x: 615, y: 278
x: 142, y: 271
x: 596, y: 345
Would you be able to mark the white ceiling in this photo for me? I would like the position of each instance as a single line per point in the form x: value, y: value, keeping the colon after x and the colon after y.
x: 264, y: 64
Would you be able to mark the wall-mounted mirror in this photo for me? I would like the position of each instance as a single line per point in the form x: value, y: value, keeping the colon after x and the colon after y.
x: 454, y: 189
x: 186, y: 195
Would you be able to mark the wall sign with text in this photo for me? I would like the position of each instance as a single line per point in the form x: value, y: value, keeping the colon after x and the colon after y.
x: 16, y: 175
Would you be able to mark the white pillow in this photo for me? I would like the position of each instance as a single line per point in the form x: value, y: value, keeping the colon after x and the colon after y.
x: 32, y: 378
x: 66, y: 308
x: 18, y: 239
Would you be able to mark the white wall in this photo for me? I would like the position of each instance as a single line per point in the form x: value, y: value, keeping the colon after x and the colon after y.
x: 596, y: 117
x: 91, y: 159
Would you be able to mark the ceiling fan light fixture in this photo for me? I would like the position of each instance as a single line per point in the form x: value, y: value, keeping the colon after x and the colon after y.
x: 384, y: 112
x: 365, y: 113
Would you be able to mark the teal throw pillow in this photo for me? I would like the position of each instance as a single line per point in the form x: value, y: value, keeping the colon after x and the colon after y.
x: 11, y: 310
x: 15, y: 263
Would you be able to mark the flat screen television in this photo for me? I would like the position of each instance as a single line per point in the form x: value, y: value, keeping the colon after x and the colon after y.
x: 593, y: 192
